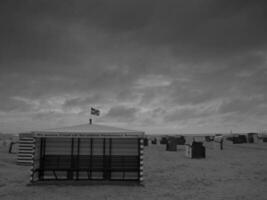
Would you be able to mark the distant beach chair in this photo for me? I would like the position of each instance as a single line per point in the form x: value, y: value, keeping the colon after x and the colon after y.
x: 154, y: 141
x: 164, y: 140
x: 171, y: 144
x: 195, y: 150
x: 13, y: 147
x: 239, y: 139
x: 218, y: 142
x: 250, y: 137
x: 146, y: 142
x: 180, y: 140
x: 209, y: 138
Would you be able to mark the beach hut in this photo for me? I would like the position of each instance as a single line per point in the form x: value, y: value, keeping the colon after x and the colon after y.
x: 25, y: 149
x: 88, y: 152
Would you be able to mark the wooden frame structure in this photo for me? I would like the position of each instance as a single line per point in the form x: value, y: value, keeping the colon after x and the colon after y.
x: 88, y: 152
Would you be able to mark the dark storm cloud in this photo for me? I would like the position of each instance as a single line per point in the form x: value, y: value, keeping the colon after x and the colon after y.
x: 212, y: 28
x: 56, y: 56
x: 45, y: 30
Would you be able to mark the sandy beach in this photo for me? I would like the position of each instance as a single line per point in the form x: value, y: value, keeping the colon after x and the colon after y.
x: 237, y: 172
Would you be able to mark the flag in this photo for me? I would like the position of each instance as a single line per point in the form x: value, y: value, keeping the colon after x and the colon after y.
x: 95, y: 112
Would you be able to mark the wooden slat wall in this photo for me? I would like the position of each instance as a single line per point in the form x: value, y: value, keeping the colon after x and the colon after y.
x: 58, y: 146
x: 98, y: 147
x: 85, y: 146
x: 125, y: 147
x: 62, y: 146
x: 126, y: 156
x: 141, y: 159
x: 24, y: 156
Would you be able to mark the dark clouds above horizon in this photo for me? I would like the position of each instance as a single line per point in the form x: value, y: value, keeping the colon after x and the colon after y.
x: 160, y: 66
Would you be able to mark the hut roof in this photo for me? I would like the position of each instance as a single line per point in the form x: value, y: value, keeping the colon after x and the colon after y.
x: 88, y: 130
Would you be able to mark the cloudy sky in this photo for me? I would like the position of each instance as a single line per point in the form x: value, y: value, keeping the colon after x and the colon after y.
x: 189, y: 66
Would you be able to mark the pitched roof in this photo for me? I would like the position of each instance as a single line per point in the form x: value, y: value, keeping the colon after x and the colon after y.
x: 88, y: 130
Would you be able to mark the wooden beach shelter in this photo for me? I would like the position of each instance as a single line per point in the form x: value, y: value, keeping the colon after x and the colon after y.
x: 88, y: 152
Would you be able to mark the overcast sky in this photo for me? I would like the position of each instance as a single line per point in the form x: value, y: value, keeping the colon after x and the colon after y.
x: 191, y: 66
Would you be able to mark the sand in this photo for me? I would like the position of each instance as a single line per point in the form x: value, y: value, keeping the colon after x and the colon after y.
x: 237, y: 172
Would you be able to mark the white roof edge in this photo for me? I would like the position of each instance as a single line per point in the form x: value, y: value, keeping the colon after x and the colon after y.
x: 87, y: 130
x: 86, y: 135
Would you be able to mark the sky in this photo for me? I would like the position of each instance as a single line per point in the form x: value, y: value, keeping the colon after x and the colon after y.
x: 165, y: 67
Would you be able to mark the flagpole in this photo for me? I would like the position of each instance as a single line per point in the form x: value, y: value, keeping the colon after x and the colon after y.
x: 90, y: 120
x: 93, y: 111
